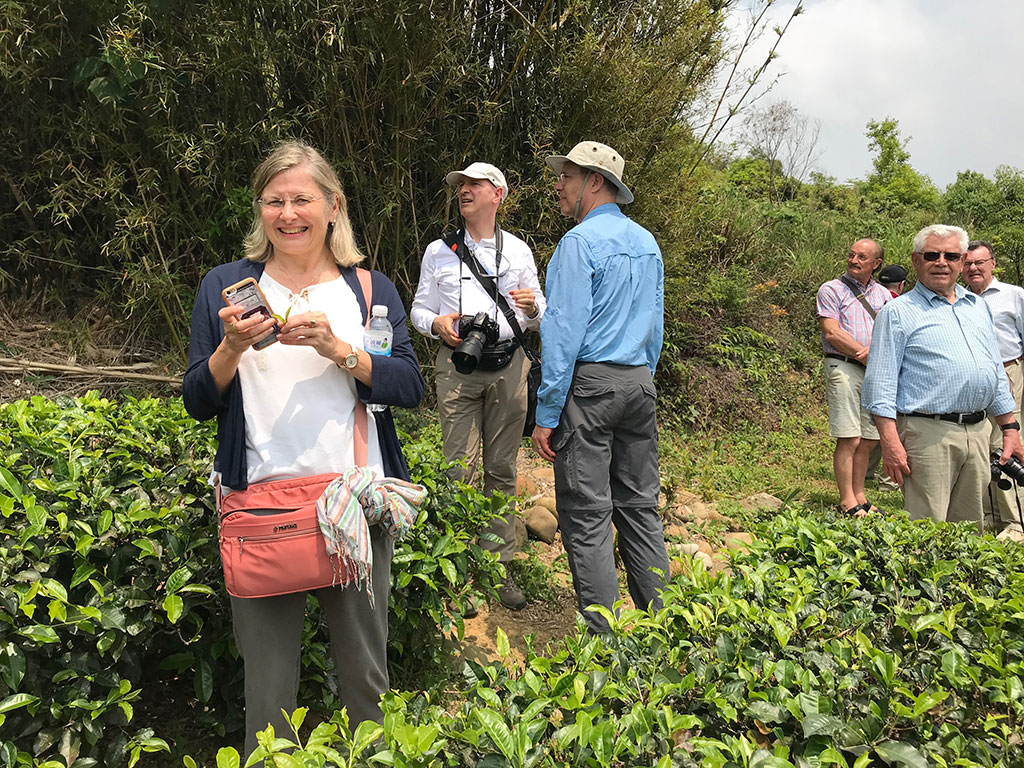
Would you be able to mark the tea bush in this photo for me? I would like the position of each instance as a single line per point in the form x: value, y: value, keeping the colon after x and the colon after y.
x: 111, y: 596
x: 849, y: 643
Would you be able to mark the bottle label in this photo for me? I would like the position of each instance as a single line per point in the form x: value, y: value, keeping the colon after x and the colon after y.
x: 378, y: 343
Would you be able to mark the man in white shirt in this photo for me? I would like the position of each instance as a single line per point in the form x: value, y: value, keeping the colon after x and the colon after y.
x: 482, y: 411
x: 1006, y: 302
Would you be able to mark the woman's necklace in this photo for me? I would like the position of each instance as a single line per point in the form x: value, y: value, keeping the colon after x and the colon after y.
x: 299, y: 286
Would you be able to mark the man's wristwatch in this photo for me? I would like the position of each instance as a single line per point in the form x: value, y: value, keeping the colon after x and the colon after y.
x: 1011, y: 425
x: 351, y: 360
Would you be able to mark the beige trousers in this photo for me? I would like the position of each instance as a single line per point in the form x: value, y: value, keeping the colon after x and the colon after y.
x: 1006, y: 501
x: 482, y: 416
x: 949, y: 469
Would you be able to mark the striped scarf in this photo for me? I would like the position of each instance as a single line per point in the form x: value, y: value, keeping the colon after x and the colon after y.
x: 354, y: 502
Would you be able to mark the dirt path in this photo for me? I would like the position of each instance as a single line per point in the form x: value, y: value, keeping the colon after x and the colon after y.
x: 687, y: 519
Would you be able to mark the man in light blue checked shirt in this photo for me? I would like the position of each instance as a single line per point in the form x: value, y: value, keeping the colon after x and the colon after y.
x: 934, y: 372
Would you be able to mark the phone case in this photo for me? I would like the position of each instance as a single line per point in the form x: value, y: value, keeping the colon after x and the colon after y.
x: 247, y: 294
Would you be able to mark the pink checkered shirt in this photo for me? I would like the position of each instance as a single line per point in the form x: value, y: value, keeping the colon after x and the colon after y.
x: 837, y: 301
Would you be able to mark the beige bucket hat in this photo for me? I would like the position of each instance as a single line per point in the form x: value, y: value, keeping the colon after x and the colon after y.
x: 595, y: 156
x: 480, y: 171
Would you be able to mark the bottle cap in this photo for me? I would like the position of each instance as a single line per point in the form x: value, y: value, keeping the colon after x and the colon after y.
x: 379, y: 310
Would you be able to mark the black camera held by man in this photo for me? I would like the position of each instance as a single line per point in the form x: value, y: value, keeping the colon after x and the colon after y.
x: 1003, y: 473
x: 479, y: 334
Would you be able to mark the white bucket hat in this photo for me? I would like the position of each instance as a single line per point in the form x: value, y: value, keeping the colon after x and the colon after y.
x: 480, y: 171
x: 595, y: 156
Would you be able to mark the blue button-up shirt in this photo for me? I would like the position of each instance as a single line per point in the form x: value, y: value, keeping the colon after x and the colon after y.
x: 605, y: 291
x: 930, y: 356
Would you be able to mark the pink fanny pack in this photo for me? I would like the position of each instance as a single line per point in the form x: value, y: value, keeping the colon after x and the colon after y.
x: 276, y: 554
x: 284, y: 552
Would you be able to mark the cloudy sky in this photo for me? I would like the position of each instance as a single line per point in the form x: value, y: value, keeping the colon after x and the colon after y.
x: 950, y: 71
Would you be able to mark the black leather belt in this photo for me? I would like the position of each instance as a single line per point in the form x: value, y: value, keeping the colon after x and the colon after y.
x: 956, y: 418
x: 853, y: 360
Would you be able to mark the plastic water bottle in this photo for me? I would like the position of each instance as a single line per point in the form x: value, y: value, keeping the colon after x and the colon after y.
x: 377, y: 341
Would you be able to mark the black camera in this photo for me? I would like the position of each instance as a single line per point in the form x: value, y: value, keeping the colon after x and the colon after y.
x: 1003, y: 473
x: 476, y: 332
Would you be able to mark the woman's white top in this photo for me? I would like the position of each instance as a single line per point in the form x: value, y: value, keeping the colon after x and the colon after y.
x: 299, y: 406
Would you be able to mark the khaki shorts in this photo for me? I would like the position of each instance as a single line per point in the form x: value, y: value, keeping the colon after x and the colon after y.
x: 846, y: 416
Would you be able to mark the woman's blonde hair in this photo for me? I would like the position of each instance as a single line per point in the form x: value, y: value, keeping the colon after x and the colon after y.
x: 339, y: 241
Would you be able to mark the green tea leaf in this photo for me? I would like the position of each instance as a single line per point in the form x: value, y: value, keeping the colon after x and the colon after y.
x: 902, y: 754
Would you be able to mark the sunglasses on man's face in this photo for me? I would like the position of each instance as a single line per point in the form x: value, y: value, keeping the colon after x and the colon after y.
x: 934, y: 255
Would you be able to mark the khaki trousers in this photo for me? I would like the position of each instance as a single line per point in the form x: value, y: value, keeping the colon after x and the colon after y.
x: 1006, y: 501
x: 482, y: 416
x: 949, y: 469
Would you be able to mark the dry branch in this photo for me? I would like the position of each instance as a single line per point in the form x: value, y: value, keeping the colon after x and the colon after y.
x: 12, y: 365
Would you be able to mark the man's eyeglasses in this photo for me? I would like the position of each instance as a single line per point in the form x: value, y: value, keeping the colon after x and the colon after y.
x: 562, y: 177
x: 934, y: 255
x: 277, y: 203
x: 976, y: 263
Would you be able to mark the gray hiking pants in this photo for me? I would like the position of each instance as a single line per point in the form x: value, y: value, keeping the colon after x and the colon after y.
x: 268, y: 632
x: 606, y: 473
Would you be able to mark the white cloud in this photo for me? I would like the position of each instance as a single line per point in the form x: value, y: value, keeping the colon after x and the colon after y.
x: 947, y: 70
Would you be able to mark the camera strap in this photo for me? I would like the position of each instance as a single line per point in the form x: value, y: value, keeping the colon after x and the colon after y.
x: 489, y: 283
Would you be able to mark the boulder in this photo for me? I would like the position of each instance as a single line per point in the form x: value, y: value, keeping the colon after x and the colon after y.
x: 544, y: 475
x: 761, y: 501
x: 689, y: 548
x: 526, y: 485
x: 738, y: 540
x: 548, y: 502
x: 541, y: 523
x: 676, y: 531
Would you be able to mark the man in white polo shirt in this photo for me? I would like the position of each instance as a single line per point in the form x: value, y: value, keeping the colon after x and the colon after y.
x: 1006, y: 303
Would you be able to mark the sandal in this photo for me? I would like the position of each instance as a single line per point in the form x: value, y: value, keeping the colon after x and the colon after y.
x: 858, y: 511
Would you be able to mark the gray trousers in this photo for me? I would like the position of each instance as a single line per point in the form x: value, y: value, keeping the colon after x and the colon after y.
x: 482, y: 415
x: 268, y: 632
x: 606, y: 473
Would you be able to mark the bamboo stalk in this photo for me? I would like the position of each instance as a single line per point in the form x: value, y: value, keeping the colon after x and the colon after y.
x: 14, y: 365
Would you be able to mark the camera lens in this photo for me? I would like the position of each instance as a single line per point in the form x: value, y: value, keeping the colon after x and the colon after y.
x: 467, y: 354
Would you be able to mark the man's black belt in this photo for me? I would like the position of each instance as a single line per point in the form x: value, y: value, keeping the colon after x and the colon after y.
x: 836, y: 356
x: 956, y: 418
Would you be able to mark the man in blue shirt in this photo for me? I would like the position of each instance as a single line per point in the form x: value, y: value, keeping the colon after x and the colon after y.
x: 933, y: 372
x: 601, y: 338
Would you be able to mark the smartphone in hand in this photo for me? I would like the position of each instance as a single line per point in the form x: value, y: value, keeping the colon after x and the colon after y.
x: 247, y: 295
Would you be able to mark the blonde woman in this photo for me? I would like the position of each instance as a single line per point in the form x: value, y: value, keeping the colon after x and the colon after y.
x: 289, y: 411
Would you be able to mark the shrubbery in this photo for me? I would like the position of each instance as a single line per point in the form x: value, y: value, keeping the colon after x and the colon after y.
x: 832, y: 642
x: 110, y: 584
x: 849, y: 643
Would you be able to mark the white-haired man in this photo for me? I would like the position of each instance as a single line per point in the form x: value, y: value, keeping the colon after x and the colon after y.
x: 482, y: 410
x: 1006, y: 302
x: 596, y: 420
x: 933, y: 373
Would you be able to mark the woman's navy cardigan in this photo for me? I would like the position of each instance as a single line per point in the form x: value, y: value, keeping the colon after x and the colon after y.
x: 396, y: 379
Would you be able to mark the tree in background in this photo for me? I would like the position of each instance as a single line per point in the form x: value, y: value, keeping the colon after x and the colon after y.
x: 786, y: 140
x: 129, y: 156
x: 993, y: 210
x: 894, y: 186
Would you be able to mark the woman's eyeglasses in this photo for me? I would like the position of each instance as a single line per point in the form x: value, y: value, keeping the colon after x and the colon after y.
x: 277, y: 204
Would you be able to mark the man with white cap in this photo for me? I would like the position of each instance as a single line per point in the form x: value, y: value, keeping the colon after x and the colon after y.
x: 601, y: 339
x: 483, y: 405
